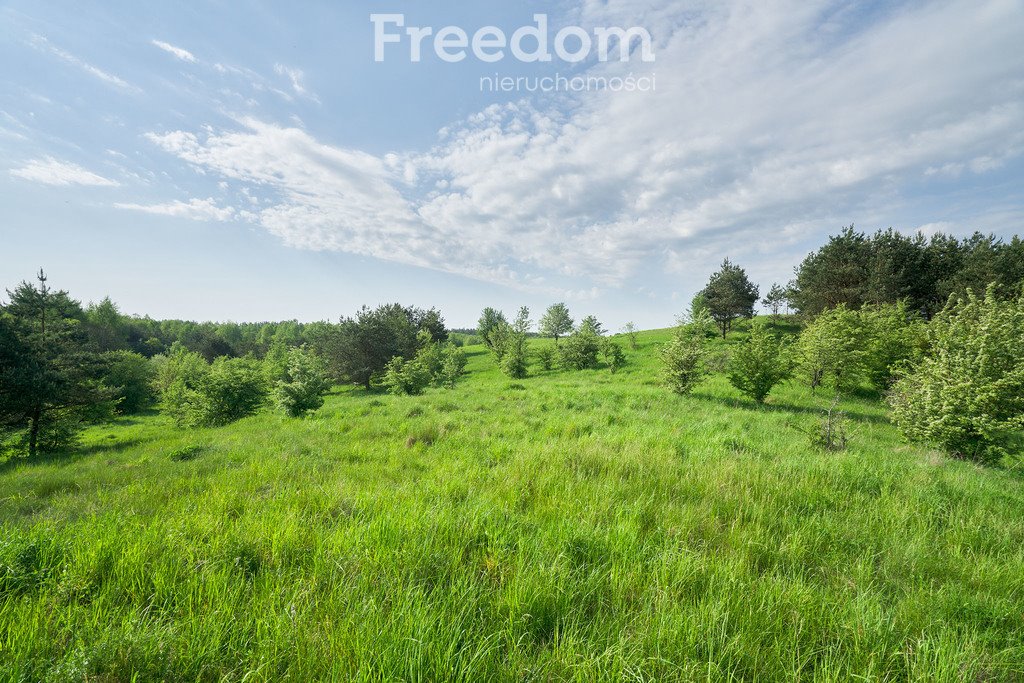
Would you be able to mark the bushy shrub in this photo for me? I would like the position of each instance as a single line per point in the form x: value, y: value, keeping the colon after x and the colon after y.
x: 831, y: 350
x: 514, y: 354
x: 893, y: 337
x: 196, y: 394
x: 581, y: 348
x: 967, y: 393
x: 406, y: 377
x: 234, y: 388
x: 613, y: 355
x: 304, y: 385
x: 130, y: 378
x: 760, y: 363
x: 686, y: 356
x: 453, y: 366
x: 546, y: 357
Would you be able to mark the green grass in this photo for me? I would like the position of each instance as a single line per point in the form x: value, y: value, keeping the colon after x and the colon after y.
x: 569, y: 526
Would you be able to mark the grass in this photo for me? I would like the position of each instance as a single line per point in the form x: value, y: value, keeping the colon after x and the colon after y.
x: 570, y: 526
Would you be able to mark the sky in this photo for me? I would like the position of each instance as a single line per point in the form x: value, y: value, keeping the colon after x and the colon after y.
x: 255, y: 161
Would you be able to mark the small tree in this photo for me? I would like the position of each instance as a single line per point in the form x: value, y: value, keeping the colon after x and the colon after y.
x: 305, y: 382
x: 593, y: 324
x: 234, y: 388
x: 685, y: 357
x: 404, y: 377
x: 490, y: 319
x: 613, y: 355
x: 967, y: 393
x: 130, y: 378
x: 759, y: 364
x: 546, y: 357
x: 453, y: 365
x: 775, y: 300
x: 893, y: 337
x: 729, y: 295
x: 831, y: 350
x: 629, y: 329
x: 582, y: 347
x: 514, y: 359
x: 556, y: 322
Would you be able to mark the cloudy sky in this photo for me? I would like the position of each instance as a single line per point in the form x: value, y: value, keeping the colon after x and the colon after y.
x: 221, y: 161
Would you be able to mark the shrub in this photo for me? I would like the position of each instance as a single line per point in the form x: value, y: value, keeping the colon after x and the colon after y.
x: 967, y: 393
x: 406, y: 377
x: 234, y: 388
x: 831, y: 350
x: 686, y: 356
x: 453, y: 366
x: 130, y: 377
x: 546, y: 357
x: 613, y: 355
x: 305, y: 382
x: 893, y: 337
x: 759, y: 364
x: 178, y: 379
x: 581, y: 348
x: 513, y: 358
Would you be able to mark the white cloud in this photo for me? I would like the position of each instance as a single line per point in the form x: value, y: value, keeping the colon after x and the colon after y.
x: 194, y: 209
x: 181, y: 53
x: 41, y: 43
x: 50, y: 171
x: 296, y: 77
x: 769, y: 125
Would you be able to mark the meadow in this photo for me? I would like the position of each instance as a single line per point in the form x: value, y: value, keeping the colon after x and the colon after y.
x: 580, y: 526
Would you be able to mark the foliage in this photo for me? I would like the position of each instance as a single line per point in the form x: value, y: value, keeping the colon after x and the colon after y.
x: 967, y: 393
x: 632, y: 334
x: 556, y: 322
x: 490, y: 320
x: 406, y: 377
x: 685, y: 357
x: 514, y: 356
x: 453, y: 366
x: 546, y: 355
x: 775, y: 300
x: 729, y: 295
x: 197, y: 394
x: 893, y: 337
x: 130, y: 377
x: 760, y: 363
x: 51, y: 379
x: 831, y: 350
x: 304, y: 384
x: 581, y: 348
x: 613, y: 354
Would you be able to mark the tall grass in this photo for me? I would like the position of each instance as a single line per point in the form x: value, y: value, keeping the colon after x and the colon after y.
x: 570, y: 526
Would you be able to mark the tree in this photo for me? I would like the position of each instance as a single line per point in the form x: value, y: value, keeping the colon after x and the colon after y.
x: 613, y: 355
x: 831, y: 350
x: 759, y: 364
x: 129, y: 376
x: 55, y: 378
x: 514, y: 356
x: 729, y: 295
x: 835, y: 274
x: 685, y: 357
x: 967, y: 393
x: 775, y: 300
x: 304, y: 384
x: 360, y: 348
x: 582, y: 347
x: 629, y: 329
x: 593, y: 324
x: 893, y: 336
x: 232, y: 389
x: 453, y: 366
x: 406, y: 377
x: 490, y: 319
x: 556, y: 322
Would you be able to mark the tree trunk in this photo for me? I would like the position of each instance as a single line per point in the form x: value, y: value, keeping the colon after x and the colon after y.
x: 33, y: 432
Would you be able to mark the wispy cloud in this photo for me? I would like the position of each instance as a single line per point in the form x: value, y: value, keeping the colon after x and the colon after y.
x: 50, y: 171
x: 41, y: 43
x: 181, y: 53
x: 297, y: 79
x: 194, y: 209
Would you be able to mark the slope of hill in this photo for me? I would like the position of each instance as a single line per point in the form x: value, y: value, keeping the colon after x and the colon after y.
x: 568, y: 526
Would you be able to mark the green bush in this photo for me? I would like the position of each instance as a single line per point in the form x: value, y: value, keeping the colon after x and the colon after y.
x: 453, y: 366
x: 613, y: 355
x: 967, y: 393
x: 130, y: 377
x: 760, y: 363
x: 686, y: 356
x: 305, y: 382
x: 406, y: 377
x: 581, y: 348
x: 546, y: 357
x: 893, y: 337
x: 196, y: 394
x: 831, y: 350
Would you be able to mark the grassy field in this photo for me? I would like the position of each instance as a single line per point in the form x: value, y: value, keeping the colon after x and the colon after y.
x: 570, y: 526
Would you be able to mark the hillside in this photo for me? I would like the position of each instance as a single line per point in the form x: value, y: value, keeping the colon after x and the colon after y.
x: 568, y: 526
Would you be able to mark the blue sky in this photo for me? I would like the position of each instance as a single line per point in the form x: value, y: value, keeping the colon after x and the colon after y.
x: 252, y: 161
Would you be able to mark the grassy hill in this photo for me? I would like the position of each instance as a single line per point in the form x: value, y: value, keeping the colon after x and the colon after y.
x: 570, y: 526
